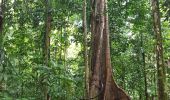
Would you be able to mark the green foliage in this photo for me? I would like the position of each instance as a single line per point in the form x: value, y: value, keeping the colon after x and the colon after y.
x: 23, y: 74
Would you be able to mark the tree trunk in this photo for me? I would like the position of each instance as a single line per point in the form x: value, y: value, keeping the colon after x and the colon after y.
x: 1, y: 15
x: 1, y: 22
x: 144, y: 67
x: 102, y: 85
x: 159, y: 51
x: 2, y: 83
x: 46, y: 49
x: 145, y: 76
x: 85, y: 51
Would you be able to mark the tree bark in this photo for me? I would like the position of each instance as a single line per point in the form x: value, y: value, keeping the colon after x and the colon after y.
x: 102, y: 85
x: 1, y: 21
x: 85, y: 51
x: 2, y: 83
x: 161, y: 76
x: 144, y: 67
x: 145, y: 76
x: 46, y: 49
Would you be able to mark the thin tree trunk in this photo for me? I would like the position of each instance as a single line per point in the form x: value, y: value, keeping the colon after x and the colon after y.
x: 144, y: 66
x: 161, y: 76
x: 145, y: 75
x: 47, y: 44
x: 1, y: 16
x: 85, y: 51
x: 2, y: 83
x: 2, y: 5
x: 102, y: 85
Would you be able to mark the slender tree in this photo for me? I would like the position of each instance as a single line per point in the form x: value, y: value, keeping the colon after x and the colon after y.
x: 144, y: 67
x: 1, y: 18
x: 1, y: 15
x: 1, y: 40
x: 46, y: 48
x: 102, y: 85
x: 161, y: 76
x: 85, y: 50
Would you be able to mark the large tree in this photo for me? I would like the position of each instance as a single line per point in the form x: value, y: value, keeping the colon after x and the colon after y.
x: 159, y: 51
x: 102, y: 85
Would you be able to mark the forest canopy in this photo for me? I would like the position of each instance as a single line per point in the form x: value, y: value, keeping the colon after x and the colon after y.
x: 84, y: 50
